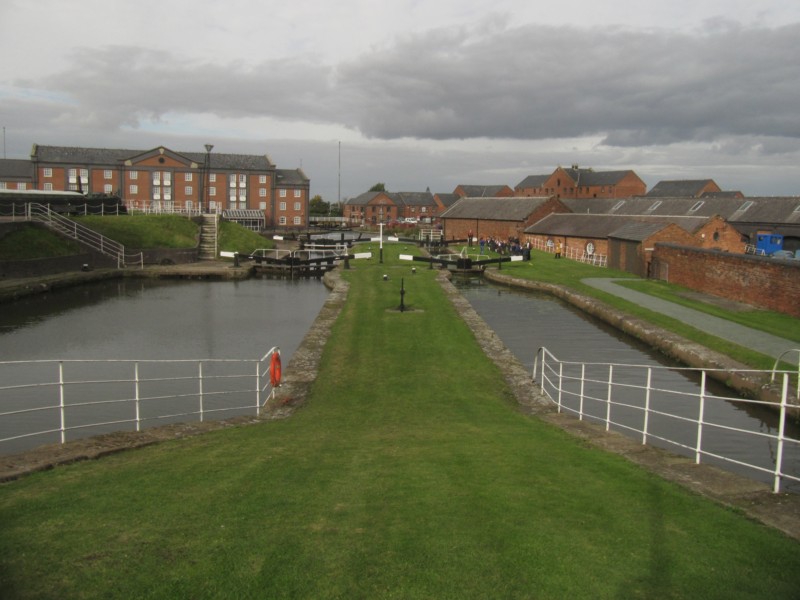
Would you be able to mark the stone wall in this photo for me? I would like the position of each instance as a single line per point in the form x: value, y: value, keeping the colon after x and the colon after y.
x: 765, y: 282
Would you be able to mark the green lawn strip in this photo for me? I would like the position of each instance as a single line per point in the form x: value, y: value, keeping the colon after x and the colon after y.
x: 145, y: 231
x: 569, y: 274
x: 35, y: 242
x: 775, y: 323
x: 409, y: 473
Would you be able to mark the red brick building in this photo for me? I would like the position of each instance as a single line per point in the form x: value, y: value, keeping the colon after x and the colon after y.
x: 161, y: 179
x: 575, y: 182
x: 498, y: 218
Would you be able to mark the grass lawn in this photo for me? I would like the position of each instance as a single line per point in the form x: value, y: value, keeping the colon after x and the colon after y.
x: 409, y: 473
x: 35, y: 242
x: 569, y: 273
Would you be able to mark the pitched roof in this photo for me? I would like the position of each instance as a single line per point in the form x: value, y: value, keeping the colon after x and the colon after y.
x: 482, y: 191
x: 413, y: 198
x: 590, y: 177
x: 363, y: 199
x: 532, y: 181
x: 448, y: 199
x: 602, y: 226
x: 494, y: 209
x: 16, y: 168
x: 684, y: 187
x: 109, y: 156
x: 290, y: 177
x: 734, y: 210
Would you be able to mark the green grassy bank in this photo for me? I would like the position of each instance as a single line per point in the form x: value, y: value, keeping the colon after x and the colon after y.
x: 569, y: 273
x: 132, y: 231
x: 408, y: 473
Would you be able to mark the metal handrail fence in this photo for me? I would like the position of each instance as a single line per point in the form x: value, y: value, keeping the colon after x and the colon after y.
x: 61, y: 398
x: 19, y: 210
x: 685, y: 420
x: 43, y: 214
x: 595, y: 259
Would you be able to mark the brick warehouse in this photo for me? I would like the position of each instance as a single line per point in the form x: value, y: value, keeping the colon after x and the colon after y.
x: 760, y: 281
x: 164, y: 180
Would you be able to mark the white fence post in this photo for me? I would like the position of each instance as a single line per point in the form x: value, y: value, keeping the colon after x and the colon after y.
x: 583, y: 383
x: 781, y: 434
x: 138, y: 408
x: 699, y: 447
x: 200, y: 380
x: 560, y: 382
x: 647, y: 405
x: 608, y: 396
x: 61, y: 401
x: 258, y: 387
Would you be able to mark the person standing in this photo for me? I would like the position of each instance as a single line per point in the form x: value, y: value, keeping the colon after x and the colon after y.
x: 558, y: 250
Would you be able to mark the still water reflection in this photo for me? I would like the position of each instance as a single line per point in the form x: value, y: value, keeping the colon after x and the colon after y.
x: 142, y: 320
x: 527, y: 320
x: 147, y: 319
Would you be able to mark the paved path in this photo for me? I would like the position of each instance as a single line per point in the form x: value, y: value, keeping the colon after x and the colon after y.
x: 744, y: 336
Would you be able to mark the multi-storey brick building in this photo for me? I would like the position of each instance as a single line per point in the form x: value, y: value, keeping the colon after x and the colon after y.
x: 582, y: 183
x: 162, y: 179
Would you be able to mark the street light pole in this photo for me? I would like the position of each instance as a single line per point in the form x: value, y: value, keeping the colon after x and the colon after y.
x: 204, y: 199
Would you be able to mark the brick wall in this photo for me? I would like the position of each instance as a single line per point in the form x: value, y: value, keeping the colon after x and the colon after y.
x: 760, y: 281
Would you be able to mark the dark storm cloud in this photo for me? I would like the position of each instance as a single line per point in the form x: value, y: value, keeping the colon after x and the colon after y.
x: 631, y: 88
x: 533, y: 83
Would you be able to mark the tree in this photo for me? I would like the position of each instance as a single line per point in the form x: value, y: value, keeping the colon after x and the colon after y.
x: 318, y: 207
x: 378, y: 187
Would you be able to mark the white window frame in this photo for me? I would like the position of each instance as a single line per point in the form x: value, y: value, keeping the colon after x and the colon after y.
x: 297, y: 206
x: 48, y: 187
x: 262, y: 205
x: 134, y: 189
x: 262, y: 193
x: 108, y: 174
x: 298, y: 194
x: 281, y: 220
x: 212, y: 178
x: 133, y: 174
x: 187, y: 176
x: 108, y: 188
x: 282, y: 206
x: 282, y: 193
x: 188, y: 190
x: 48, y: 172
x: 262, y: 179
x: 297, y: 221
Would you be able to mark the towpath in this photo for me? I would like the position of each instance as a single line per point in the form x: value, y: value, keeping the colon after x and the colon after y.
x: 759, y: 341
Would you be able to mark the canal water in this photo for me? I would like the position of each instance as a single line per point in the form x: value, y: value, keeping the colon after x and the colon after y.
x: 527, y: 320
x: 151, y: 319
x: 143, y: 320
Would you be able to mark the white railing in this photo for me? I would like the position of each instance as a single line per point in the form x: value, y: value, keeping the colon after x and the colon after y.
x: 597, y: 260
x: 43, y: 214
x: 668, y: 406
x: 45, y: 401
x: 19, y: 210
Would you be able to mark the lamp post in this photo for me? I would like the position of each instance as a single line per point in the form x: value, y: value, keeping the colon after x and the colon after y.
x: 204, y: 199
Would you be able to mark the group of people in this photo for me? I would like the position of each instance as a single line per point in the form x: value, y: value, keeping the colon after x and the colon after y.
x: 512, y: 246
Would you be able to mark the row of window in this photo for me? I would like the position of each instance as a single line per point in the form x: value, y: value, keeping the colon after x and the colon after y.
x: 233, y: 178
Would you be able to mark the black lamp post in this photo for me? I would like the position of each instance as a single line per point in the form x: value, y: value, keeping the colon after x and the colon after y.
x: 204, y: 200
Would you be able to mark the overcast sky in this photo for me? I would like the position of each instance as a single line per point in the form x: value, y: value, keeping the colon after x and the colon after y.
x: 417, y: 94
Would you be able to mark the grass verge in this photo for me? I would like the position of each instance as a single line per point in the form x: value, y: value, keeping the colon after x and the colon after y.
x: 409, y: 473
x: 569, y: 273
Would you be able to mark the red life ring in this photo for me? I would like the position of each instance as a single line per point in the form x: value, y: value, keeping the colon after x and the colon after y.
x: 275, y: 369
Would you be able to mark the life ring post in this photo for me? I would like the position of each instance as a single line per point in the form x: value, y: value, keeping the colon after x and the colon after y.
x: 275, y: 368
